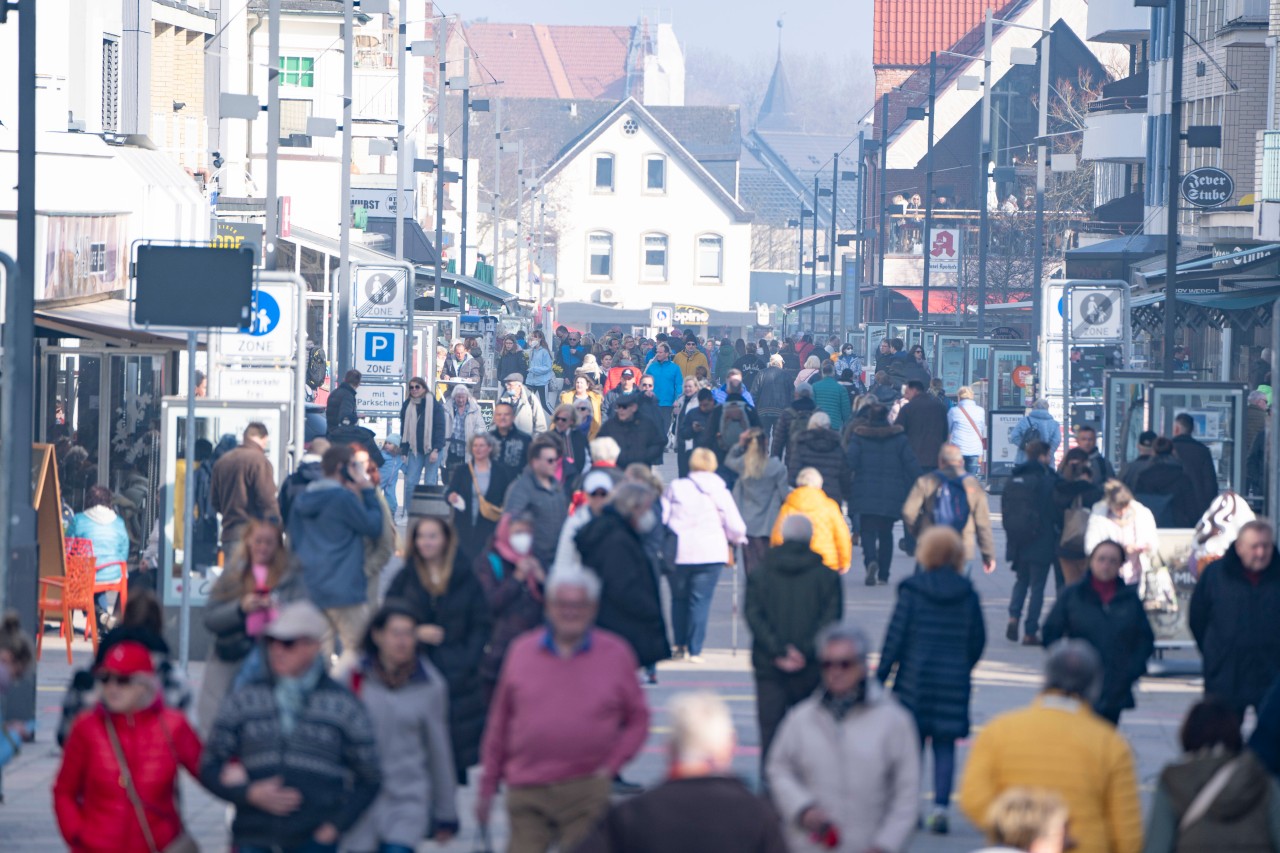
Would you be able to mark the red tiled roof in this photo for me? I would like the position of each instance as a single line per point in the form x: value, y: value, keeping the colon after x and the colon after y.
x: 907, y: 30
x: 593, y: 60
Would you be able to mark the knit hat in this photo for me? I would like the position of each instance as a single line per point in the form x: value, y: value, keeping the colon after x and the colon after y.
x: 127, y: 658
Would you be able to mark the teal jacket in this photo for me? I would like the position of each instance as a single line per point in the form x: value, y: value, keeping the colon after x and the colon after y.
x: 831, y: 397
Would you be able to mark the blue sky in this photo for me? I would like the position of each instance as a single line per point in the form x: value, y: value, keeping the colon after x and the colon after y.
x: 743, y: 29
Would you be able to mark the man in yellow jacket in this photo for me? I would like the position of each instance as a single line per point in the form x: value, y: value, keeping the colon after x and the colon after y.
x: 689, y: 358
x: 831, y: 539
x: 1059, y: 744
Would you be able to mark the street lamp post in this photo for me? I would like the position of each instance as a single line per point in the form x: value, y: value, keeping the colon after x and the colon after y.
x: 882, y: 295
x: 928, y: 193
x: 831, y: 262
x: 984, y: 178
x: 1178, y: 9
x: 1042, y: 155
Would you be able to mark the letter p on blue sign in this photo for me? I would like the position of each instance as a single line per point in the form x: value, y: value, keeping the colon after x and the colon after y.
x: 379, y: 346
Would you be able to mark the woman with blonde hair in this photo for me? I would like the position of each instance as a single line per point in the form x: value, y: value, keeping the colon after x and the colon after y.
x: 759, y: 491
x: 707, y: 524
x: 586, y: 401
x: 439, y: 587
x: 1028, y: 820
x: 935, y: 638
x: 1119, y: 517
x: 810, y: 373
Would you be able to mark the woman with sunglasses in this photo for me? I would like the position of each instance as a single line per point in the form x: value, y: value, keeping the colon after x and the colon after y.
x: 476, y: 492
x: 565, y: 429
x: 588, y: 403
x: 117, y: 786
x: 405, y: 697
x: 440, y: 589
x: 261, y: 576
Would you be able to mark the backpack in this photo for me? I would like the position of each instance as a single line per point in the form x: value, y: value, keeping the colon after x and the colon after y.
x: 1021, y: 506
x: 951, y: 504
x: 733, y: 423
x: 316, y: 367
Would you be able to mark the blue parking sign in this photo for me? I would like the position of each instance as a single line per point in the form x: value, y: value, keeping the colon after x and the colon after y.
x: 380, y: 346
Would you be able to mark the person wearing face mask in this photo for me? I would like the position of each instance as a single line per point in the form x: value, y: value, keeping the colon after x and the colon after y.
x: 612, y: 545
x: 849, y: 360
x: 513, y: 581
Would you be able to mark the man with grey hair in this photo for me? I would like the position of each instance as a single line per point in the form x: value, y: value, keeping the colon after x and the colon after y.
x: 1058, y: 743
x: 701, y: 806
x: 790, y: 598
x: 851, y: 722
x: 566, y: 715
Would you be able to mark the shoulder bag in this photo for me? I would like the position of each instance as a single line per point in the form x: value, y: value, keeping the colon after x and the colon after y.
x: 1075, y: 524
x: 184, y: 843
x: 488, y: 511
x: 976, y: 431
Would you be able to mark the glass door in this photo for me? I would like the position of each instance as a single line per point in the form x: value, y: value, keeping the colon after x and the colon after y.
x: 951, y: 362
x: 69, y: 418
x: 979, y: 373
x: 1125, y: 417
x: 1011, y: 376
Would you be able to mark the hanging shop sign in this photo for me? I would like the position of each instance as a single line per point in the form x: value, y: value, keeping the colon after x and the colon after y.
x: 1207, y: 187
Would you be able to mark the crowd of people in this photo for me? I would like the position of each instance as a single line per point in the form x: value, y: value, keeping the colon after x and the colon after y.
x: 357, y: 679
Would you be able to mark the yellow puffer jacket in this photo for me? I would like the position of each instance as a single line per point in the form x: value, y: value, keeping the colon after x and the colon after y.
x: 1058, y: 743
x: 831, y: 538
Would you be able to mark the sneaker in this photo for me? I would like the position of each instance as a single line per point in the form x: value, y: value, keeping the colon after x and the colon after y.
x: 678, y: 653
x: 1011, y: 631
x: 873, y: 569
x: 937, y: 823
x: 1031, y: 640
x: 624, y: 788
x: 696, y: 659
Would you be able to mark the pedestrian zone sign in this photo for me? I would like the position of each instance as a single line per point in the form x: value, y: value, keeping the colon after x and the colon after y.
x: 1097, y: 315
x: 270, y: 335
x: 379, y: 293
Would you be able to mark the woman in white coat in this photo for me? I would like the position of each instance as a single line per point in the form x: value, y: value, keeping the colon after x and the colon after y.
x: 462, y: 422
x: 1120, y: 518
x: 701, y: 512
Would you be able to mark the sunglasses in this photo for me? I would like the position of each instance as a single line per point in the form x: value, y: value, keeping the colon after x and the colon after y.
x: 113, y: 678
x: 600, y: 493
x: 562, y: 419
x: 284, y: 644
x: 416, y: 387
x: 843, y: 664
x: 646, y: 387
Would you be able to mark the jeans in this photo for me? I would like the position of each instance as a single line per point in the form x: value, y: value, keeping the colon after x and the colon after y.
x: 971, y: 465
x: 389, y: 474
x: 877, y: 541
x: 944, y: 768
x: 308, y: 847
x: 1033, y: 575
x: 415, y: 465
x: 691, y: 591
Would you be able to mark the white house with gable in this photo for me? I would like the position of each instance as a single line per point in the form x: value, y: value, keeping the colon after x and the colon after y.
x: 639, y: 221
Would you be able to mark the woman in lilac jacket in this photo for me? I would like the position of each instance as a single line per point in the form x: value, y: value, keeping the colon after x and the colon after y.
x: 701, y: 511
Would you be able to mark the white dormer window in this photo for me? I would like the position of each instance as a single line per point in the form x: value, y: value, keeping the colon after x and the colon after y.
x: 602, y: 173
x: 655, y: 173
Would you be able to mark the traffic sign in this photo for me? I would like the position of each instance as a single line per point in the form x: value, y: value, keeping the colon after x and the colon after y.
x: 270, y: 335
x: 381, y: 400
x: 380, y: 352
x: 269, y: 384
x: 379, y: 292
x: 660, y: 316
x: 1097, y: 314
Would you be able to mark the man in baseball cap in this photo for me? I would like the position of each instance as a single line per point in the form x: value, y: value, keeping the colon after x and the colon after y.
x: 528, y: 414
x: 626, y: 387
x: 331, y: 780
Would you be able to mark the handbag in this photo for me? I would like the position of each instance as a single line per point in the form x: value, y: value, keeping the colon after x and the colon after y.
x: 184, y: 843
x: 1075, y: 524
x: 976, y: 431
x: 489, y: 511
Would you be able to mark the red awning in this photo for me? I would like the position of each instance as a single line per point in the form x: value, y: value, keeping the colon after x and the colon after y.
x: 940, y: 301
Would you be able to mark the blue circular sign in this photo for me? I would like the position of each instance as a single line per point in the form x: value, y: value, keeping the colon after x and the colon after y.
x: 266, y: 314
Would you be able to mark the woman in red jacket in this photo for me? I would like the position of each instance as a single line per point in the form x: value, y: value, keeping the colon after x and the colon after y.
x: 130, y: 735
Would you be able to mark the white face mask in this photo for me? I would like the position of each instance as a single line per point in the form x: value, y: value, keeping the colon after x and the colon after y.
x: 521, y: 543
x: 646, y: 523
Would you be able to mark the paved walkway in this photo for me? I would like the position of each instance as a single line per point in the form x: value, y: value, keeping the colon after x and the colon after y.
x: 1008, y: 677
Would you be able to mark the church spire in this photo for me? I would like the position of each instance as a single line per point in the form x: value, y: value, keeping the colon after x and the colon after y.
x: 776, y: 111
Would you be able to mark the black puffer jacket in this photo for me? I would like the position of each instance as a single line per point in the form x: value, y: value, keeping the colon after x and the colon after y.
x: 935, y: 639
x: 1164, y: 488
x: 629, y: 602
x: 884, y: 468
x: 1234, y: 623
x: 1119, y: 631
x: 463, y: 612
x: 820, y: 448
x: 801, y: 407
x: 789, y: 598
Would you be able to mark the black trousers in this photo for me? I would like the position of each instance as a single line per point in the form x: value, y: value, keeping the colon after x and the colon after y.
x: 877, y: 541
x: 775, y: 695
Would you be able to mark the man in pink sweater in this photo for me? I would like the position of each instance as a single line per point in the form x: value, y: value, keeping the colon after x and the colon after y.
x: 567, y: 714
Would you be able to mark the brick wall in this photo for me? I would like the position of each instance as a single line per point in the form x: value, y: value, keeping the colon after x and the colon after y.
x: 177, y: 76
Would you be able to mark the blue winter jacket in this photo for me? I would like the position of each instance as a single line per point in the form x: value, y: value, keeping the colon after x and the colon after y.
x: 109, y: 537
x: 668, y: 381
x: 327, y: 527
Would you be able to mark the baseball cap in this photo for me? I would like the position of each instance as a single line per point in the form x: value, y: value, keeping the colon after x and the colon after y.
x: 298, y: 620
x: 628, y: 374
x: 127, y: 658
x: 597, y: 480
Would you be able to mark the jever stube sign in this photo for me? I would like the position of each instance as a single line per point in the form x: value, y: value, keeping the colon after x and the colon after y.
x: 1207, y: 187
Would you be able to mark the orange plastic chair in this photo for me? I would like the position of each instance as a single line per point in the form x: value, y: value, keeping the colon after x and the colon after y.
x: 75, y: 591
x: 84, y: 548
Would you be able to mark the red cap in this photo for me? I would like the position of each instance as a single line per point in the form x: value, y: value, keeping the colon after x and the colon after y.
x: 127, y: 658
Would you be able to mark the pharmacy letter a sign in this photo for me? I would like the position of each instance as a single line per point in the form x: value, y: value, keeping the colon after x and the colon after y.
x: 944, y: 250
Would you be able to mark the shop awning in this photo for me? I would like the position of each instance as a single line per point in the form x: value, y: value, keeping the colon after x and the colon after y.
x: 940, y: 301
x: 1220, y: 266
x: 103, y: 320
x: 1227, y: 300
x: 417, y: 245
x: 810, y: 301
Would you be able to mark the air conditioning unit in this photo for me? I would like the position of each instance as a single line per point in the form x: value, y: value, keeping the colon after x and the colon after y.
x: 559, y: 293
x: 609, y: 295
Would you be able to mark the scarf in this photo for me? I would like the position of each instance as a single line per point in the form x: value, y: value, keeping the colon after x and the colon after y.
x: 436, y: 586
x: 840, y: 706
x: 410, y: 426
x: 291, y: 695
